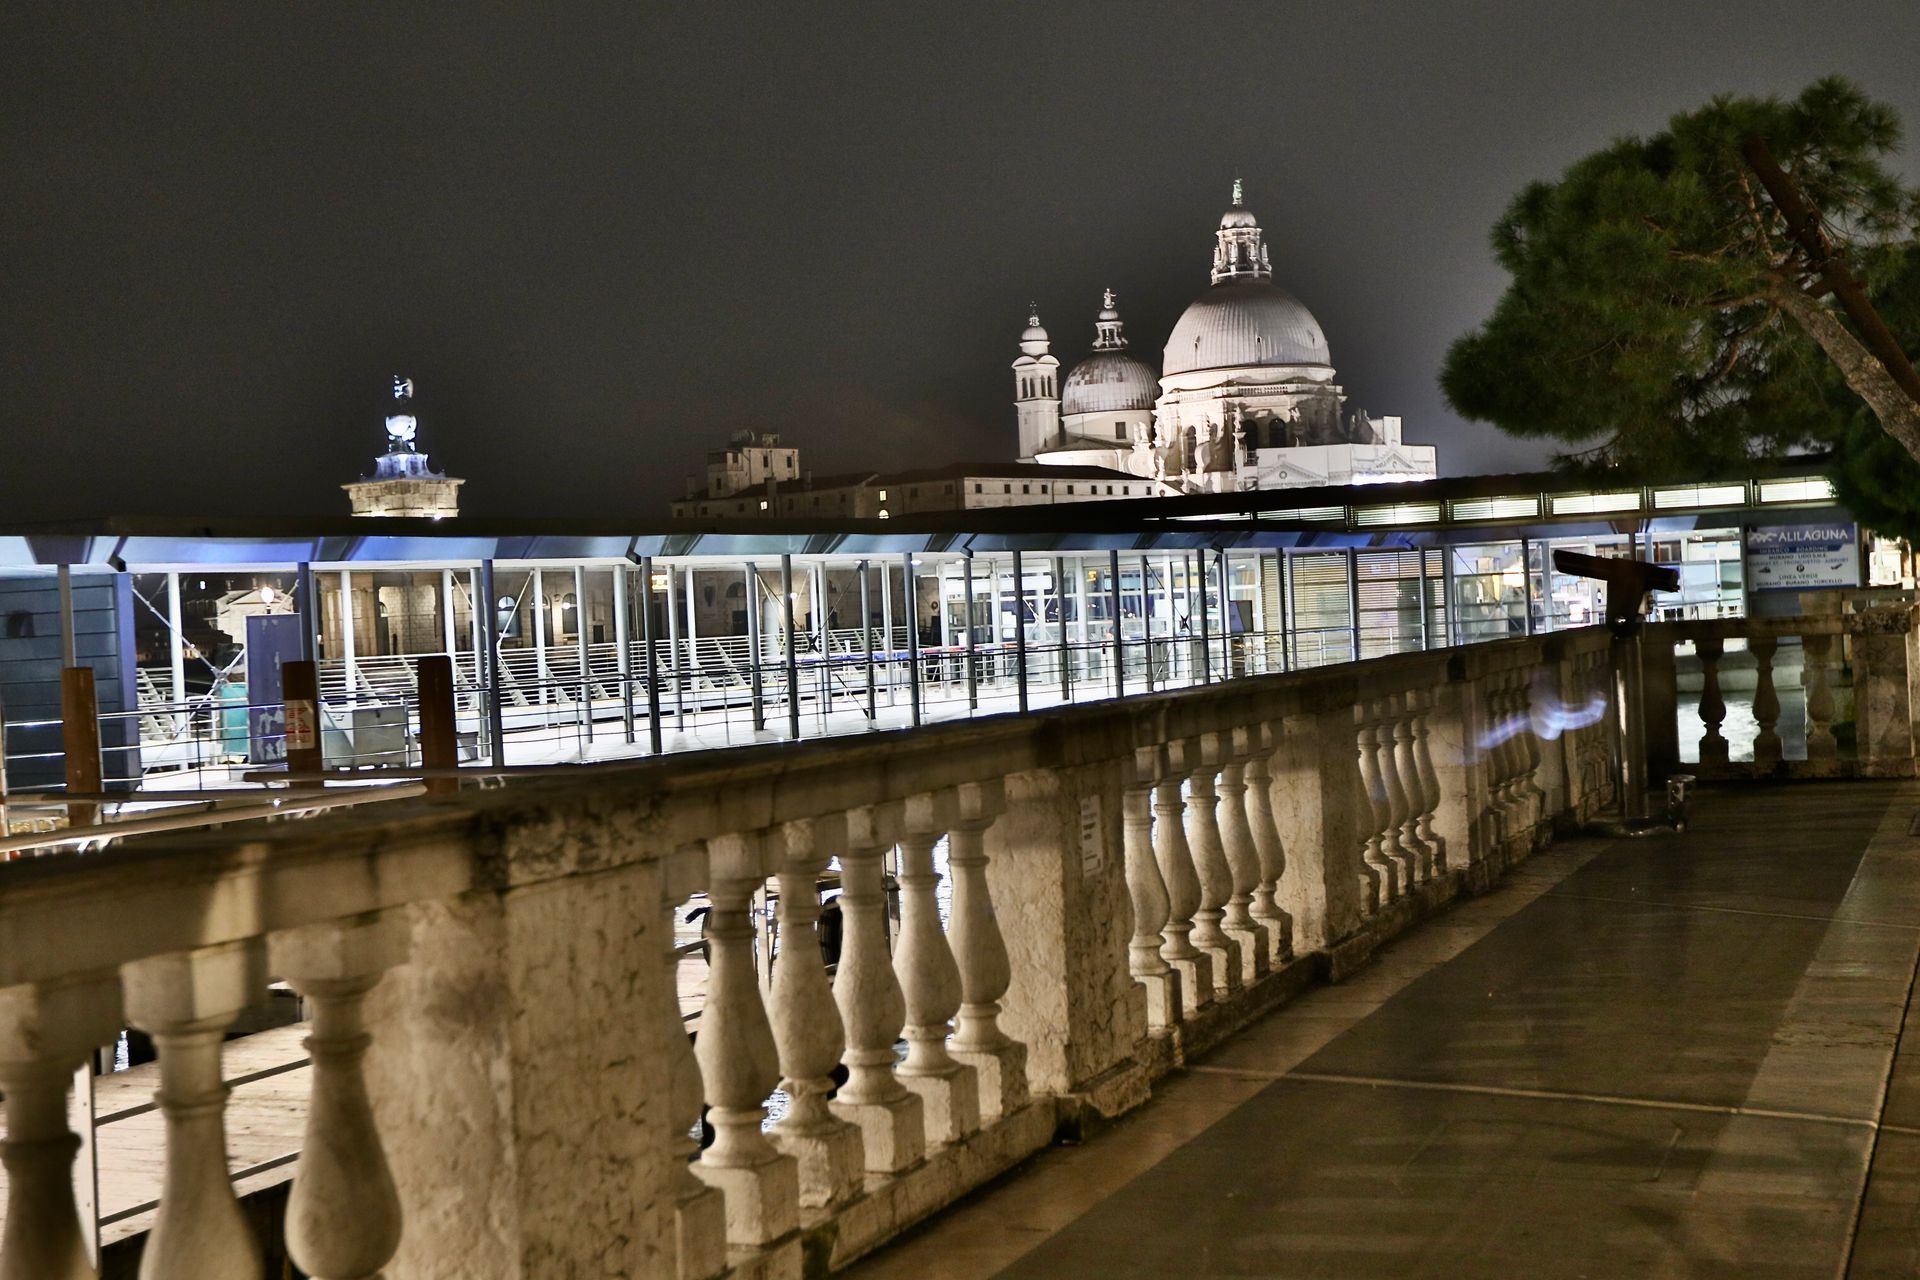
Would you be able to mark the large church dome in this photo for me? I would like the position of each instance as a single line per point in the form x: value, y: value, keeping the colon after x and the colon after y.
x: 1245, y: 320
x: 1244, y: 323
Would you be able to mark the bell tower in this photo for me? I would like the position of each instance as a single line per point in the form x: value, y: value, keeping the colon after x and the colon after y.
x: 1036, y: 389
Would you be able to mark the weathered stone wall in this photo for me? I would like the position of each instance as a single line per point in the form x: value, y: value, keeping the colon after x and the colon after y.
x: 524, y: 1042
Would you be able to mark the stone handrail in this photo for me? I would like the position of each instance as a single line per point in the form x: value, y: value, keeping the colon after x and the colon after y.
x: 1875, y: 643
x: 502, y: 1083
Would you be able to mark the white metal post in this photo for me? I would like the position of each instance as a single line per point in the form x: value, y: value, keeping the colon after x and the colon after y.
x: 537, y: 593
x: 671, y: 599
x: 446, y: 611
x: 620, y: 642
x: 886, y: 627
x: 349, y: 642
x: 580, y: 645
x: 176, y: 655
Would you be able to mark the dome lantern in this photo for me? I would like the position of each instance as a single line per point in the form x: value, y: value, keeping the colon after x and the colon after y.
x: 1238, y: 253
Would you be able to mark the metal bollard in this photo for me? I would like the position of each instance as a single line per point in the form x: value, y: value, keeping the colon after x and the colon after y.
x: 1679, y: 792
x: 80, y: 741
x: 439, y: 740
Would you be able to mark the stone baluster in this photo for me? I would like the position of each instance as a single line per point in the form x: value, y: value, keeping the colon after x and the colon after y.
x: 1600, y: 733
x: 1407, y: 771
x: 1579, y: 737
x: 186, y: 1000
x: 1713, y: 707
x: 1394, y: 846
x: 999, y: 1061
x: 1766, y: 702
x: 872, y: 1008
x: 806, y: 1023
x: 739, y: 1061
x: 47, y: 1031
x: 1361, y: 805
x: 1243, y: 859
x: 1148, y: 893
x: 1519, y: 798
x: 1210, y: 865
x: 1382, y: 870
x: 949, y: 1090
x: 343, y: 1217
x: 1170, y: 850
x: 699, y: 1211
x: 1482, y: 744
x: 1428, y: 780
x: 1821, y: 748
x: 1259, y: 742
x: 1510, y: 754
x: 1533, y: 795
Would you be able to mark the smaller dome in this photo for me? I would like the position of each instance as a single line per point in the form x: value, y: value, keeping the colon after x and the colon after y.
x: 1238, y: 216
x: 1108, y: 382
x: 1033, y: 339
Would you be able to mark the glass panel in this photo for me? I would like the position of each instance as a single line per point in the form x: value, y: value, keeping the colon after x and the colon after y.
x: 1489, y: 592
x: 1321, y: 626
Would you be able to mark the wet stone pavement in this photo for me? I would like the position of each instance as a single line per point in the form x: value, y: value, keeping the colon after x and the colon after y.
x: 1659, y: 1057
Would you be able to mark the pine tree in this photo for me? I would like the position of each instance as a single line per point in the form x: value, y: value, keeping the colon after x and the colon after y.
x: 1662, y: 317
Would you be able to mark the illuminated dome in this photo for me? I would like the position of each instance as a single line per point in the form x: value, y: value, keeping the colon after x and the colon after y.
x: 1107, y: 381
x: 1244, y: 324
x: 1033, y: 339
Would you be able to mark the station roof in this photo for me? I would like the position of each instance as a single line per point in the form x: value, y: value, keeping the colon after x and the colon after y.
x: 1448, y: 510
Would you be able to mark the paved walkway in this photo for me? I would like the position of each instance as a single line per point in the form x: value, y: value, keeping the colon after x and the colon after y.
x: 1664, y: 1057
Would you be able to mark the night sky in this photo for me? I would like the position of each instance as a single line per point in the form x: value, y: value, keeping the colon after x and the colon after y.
x: 600, y: 238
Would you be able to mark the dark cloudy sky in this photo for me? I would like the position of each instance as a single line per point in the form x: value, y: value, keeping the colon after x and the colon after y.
x: 600, y: 237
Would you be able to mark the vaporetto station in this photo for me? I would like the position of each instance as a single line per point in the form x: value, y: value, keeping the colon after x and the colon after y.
x: 599, y: 643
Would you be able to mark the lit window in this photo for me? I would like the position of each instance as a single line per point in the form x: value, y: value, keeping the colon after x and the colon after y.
x: 883, y: 495
x: 763, y: 504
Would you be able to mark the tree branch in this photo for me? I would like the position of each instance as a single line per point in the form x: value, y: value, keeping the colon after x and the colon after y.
x: 1868, y: 378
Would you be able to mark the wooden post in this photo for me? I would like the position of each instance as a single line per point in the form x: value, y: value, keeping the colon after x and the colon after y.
x: 300, y: 686
x: 80, y: 740
x: 439, y: 743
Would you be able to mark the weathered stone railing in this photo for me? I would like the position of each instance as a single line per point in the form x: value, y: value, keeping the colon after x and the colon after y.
x: 1849, y: 675
x: 503, y: 1085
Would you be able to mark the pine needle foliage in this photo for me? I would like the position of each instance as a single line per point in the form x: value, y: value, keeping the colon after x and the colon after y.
x: 1662, y: 320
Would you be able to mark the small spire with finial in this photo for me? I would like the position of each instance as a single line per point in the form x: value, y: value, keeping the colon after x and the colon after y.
x: 1033, y: 313
x: 1107, y: 299
x: 1237, y: 198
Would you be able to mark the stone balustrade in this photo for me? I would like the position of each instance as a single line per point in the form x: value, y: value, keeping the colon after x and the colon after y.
x: 502, y: 1083
x: 1847, y: 675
